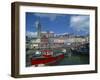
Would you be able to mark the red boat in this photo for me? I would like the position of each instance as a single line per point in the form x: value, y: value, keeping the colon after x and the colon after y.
x: 47, y: 58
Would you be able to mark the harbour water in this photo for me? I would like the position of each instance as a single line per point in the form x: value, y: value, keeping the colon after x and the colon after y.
x: 72, y: 60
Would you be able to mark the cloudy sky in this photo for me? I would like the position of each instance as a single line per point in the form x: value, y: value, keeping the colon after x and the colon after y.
x: 58, y: 23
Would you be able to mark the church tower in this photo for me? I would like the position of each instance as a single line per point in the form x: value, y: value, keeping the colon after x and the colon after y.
x: 38, y: 26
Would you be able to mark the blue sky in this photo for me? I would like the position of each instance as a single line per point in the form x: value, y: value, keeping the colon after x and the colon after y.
x: 58, y: 23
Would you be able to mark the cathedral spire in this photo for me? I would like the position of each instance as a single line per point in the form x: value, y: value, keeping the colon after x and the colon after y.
x: 38, y: 26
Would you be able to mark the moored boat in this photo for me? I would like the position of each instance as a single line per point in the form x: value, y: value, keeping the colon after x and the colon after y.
x: 47, y: 57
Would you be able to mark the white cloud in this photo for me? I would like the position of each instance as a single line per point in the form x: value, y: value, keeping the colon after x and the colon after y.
x: 52, y: 17
x: 31, y: 34
x: 80, y: 23
x: 34, y: 34
x: 66, y: 33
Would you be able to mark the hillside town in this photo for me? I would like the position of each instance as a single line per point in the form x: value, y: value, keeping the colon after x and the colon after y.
x: 55, y: 40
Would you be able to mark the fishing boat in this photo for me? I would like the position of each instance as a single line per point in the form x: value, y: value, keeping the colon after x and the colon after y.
x: 47, y: 57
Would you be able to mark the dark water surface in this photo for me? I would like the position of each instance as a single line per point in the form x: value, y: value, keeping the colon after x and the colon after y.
x: 72, y: 60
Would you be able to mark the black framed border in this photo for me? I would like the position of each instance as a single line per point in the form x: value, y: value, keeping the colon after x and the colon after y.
x: 15, y: 41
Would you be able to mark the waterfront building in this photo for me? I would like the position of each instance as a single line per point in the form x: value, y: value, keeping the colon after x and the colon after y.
x: 34, y: 43
x: 44, y: 42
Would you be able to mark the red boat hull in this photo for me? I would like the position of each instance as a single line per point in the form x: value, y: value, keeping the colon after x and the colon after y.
x: 46, y: 60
